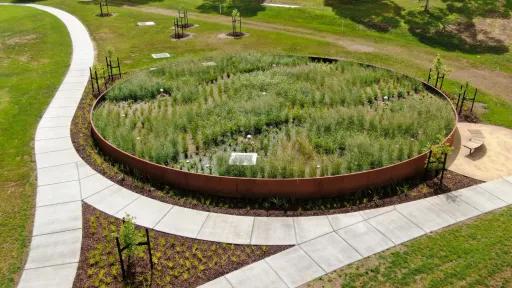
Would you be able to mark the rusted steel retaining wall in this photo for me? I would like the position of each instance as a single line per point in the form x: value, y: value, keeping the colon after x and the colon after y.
x: 315, y: 187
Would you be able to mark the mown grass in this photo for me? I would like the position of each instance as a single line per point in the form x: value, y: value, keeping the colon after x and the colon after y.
x: 34, y: 54
x: 476, y: 254
x: 303, y: 119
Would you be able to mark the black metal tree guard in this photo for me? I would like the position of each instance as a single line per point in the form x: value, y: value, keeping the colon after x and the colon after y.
x: 179, y: 32
x: 430, y: 161
x: 439, y: 79
x: 120, y: 250
x: 104, y: 8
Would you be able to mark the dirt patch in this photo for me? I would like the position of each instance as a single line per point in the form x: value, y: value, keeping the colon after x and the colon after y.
x: 178, y: 261
x: 19, y: 40
x: 497, y: 28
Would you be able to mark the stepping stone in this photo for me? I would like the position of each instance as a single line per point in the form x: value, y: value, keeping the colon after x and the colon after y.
x: 52, y: 276
x: 273, y: 231
x: 339, y: 221
x: 330, y: 252
x: 227, y: 228
x: 146, y: 211
x: 396, y: 227
x: 182, y: 221
x: 281, y: 5
x: 424, y: 214
x: 479, y: 198
x: 307, y: 228
x: 57, y: 218
x: 294, y: 266
x: 54, y: 249
x: 58, y: 193
x: 161, y: 55
x: 147, y: 23
x: 500, y: 188
x: 365, y: 239
x: 454, y: 207
x: 57, y: 174
x: 94, y: 184
x: 112, y: 199
x: 209, y: 63
x: 256, y: 275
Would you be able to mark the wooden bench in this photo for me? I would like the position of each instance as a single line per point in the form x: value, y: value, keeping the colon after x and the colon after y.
x: 475, y: 141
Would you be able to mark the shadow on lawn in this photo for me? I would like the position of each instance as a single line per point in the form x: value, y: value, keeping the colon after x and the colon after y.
x: 454, y: 28
x: 378, y: 15
x: 247, y: 8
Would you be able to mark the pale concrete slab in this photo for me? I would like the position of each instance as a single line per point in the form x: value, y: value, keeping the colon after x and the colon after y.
x: 51, y: 145
x: 221, y: 282
x: 365, y: 238
x: 94, y: 184
x: 57, y: 218
x: 54, y: 249
x: 454, y: 207
x: 273, y: 231
x: 307, y: 228
x: 60, y: 111
x: 65, y: 102
x: 424, y: 214
x: 396, y: 227
x: 58, y: 193
x: 84, y: 170
x: 339, y: 221
x: 227, y: 228
x: 330, y: 252
x: 49, y: 122
x: 57, y: 174
x: 146, y: 211
x: 367, y: 214
x: 294, y: 266
x: 182, y: 221
x: 112, y: 199
x: 500, y: 188
x: 479, y: 198
x: 55, y: 158
x: 52, y: 133
x: 256, y: 275
x: 60, y: 276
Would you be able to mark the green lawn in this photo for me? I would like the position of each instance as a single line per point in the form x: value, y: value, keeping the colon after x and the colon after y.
x: 321, y: 35
x: 476, y: 254
x: 34, y: 55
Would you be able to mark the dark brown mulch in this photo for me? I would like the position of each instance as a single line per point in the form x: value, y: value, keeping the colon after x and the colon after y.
x: 178, y: 261
x: 393, y: 194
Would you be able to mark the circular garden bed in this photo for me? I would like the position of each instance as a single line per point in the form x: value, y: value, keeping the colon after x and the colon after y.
x: 319, y: 128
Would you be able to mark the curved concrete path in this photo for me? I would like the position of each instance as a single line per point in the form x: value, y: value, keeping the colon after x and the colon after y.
x: 491, y: 161
x: 325, y: 242
x: 57, y: 231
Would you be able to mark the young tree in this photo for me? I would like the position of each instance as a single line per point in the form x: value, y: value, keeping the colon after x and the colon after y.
x: 438, y: 66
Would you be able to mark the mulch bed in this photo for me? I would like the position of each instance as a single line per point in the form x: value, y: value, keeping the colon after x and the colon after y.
x: 178, y: 261
x: 393, y: 194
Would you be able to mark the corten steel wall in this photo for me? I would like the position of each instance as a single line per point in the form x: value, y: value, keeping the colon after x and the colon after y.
x: 328, y: 186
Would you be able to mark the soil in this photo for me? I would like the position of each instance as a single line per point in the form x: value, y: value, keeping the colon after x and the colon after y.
x: 390, y: 195
x: 178, y: 261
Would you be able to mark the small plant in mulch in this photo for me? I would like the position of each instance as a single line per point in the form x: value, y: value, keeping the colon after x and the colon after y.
x: 236, y: 25
x: 178, y: 261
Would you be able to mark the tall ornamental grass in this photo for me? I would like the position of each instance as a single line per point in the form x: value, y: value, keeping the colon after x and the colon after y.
x: 303, y: 119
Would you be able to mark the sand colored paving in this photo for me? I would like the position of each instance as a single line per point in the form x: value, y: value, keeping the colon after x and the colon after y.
x: 489, y: 162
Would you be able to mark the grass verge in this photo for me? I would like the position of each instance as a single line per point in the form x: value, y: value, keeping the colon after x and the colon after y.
x: 476, y: 254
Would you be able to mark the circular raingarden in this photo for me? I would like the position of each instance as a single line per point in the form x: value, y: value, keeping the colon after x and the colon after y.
x: 302, y: 118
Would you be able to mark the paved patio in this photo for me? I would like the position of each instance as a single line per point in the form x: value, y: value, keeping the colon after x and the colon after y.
x: 489, y: 162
